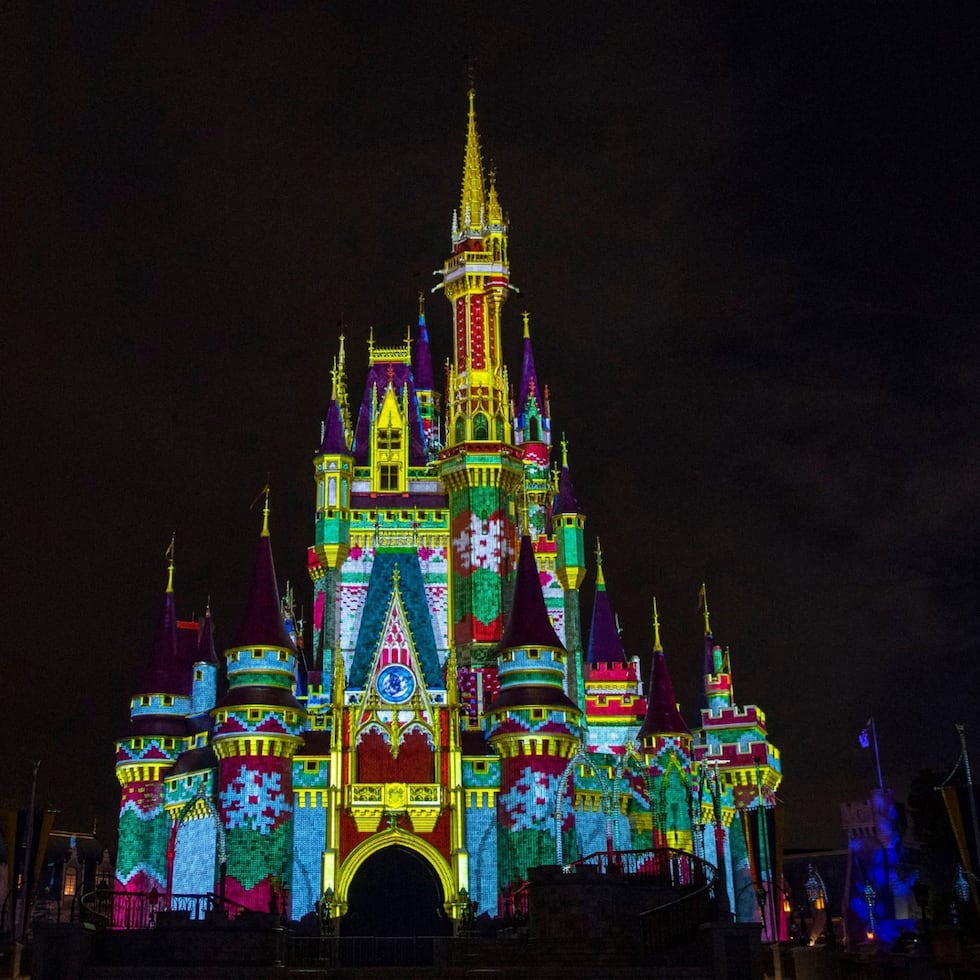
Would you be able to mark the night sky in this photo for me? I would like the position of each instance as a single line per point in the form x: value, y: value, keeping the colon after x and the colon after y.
x: 747, y: 238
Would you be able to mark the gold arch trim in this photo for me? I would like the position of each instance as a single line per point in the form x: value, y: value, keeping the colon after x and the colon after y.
x: 388, y: 838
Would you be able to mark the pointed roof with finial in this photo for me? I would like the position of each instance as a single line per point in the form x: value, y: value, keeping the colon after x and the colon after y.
x: 528, y: 624
x: 565, y: 500
x: 205, y: 639
x: 421, y: 355
x: 529, y: 376
x: 663, y: 716
x: 472, y: 199
x: 262, y: 624
x: 164, y: 672
x: 334, y: 441
x: 605, y: 643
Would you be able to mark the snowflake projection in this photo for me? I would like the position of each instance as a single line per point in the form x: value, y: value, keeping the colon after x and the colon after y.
x: 254, y: 800
x: 482, y: 544
x: 532, y: 800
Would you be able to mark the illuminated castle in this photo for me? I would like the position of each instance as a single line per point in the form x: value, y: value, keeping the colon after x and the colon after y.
x: 447, y: 727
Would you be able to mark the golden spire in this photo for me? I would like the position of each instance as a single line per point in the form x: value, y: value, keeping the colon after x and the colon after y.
x: 169, y: 555
x: 527, y: 324
x: 564, y: 451
x: 657, y: 648
x: 495, y: 213
x: 472, y: 201
x: 421, y: 304
x: 600, y: 579
x: 265, y: 491
x: 703, y: 604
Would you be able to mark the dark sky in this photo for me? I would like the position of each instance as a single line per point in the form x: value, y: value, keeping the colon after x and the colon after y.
x: 747, y: 237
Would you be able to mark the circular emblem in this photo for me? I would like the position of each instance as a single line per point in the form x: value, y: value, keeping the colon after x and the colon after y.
x: 396, y: 684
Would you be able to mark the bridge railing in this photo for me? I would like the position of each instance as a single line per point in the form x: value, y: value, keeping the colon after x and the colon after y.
x: 108, y: 909
x: 666, y: 864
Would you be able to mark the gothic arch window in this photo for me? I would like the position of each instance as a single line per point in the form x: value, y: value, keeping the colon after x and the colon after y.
x: 481, y: 427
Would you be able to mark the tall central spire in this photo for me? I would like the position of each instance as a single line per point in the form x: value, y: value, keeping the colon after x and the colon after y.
x: 473, y: 202
x: 476, y: 280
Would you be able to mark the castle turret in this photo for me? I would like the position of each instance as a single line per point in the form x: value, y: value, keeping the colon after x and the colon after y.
x: 333, y: 467
x: 428, y: 397
x: 480, y: 467
x: 146, y: 755
x: 257, y: 731
x: 533, y: 726
x: 666, y: 746
x: 568, y: 527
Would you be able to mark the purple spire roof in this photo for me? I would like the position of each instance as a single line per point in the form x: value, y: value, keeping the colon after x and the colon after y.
x: 528, y: 624
x: 334, y: 440
x: 422, y: 358
x: 565, y: 500
x: 662, y: 714
x: 529, y: 379
x: 605, y: 643
x: 205, y: 640
x: 165, y: 671
x: 262, y: 623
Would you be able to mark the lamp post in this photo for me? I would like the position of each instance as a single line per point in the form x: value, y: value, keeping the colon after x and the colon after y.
x: 816, y: 894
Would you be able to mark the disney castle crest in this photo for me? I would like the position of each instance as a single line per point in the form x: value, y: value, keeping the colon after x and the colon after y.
x: 447, y: 728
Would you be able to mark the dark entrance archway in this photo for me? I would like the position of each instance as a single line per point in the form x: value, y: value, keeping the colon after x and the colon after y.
x: 395, y: 892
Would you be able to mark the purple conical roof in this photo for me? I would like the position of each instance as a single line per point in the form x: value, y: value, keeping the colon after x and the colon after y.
x: 205, y: 640
x: 165, y: 673
x: 565, y: 501
x: 605, y: 643
x: 422, y: 358
x: 662, y: 714
x: 262, y: 623
x: 528, y: 624
x: 334, y: 440
x: 529, y: 379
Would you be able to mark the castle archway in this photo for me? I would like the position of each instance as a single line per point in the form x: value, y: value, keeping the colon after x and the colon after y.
x: 395, y: 887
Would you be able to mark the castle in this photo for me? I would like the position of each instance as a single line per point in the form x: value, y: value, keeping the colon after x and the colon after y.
x: 447, y: 727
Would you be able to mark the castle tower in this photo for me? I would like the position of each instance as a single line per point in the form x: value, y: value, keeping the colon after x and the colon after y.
x: 333, y: 467
x: 733, y: 743
x: 257, y: 730
x: 666, y: 745
x: 147, y: 754
x: 568, y: 528
x: 533, y: 728
x: 480, y: 467
x: 613, y: 703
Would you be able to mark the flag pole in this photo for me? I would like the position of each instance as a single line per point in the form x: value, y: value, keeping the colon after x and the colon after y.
x: 874, y: 736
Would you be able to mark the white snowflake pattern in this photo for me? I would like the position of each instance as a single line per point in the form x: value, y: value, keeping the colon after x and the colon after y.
x: 482, y: 545
x: 254, y: 800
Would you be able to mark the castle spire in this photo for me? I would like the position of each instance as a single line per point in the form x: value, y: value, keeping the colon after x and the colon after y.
x: 657, y: 647
x: 605, y: 643
x: 663, y: 716
x: 472, y: 202
x: 262, y: 623
x: 529, y: 376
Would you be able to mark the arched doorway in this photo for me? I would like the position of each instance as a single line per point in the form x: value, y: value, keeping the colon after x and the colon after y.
x: 395, y: 892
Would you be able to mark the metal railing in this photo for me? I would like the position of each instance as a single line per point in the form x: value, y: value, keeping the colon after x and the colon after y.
x: 665, y: 864
x: 108, y: 909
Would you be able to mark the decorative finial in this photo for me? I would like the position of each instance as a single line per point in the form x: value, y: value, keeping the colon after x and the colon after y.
x: 600, y: 578
x: 564, y: 451
x: 656, y: 629
x: 396, y: 576
x: 598, y: 551
x: 703, y: 604
x: 169, y: 555
x: 527, y: 328
x: 265, y: 509
x: 421, y: 305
